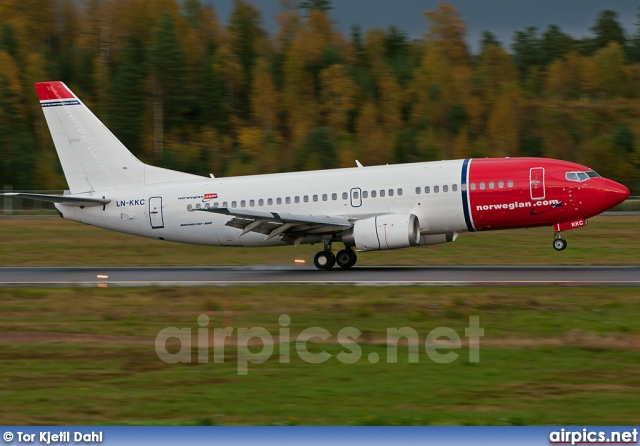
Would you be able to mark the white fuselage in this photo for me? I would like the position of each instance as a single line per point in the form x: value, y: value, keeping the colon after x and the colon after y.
x: 170, y: 211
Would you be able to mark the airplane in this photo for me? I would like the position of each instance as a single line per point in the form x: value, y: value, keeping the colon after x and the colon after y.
x: 364, y: 208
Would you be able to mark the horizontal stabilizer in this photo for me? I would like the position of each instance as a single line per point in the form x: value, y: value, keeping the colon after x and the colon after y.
x: 69, y: 200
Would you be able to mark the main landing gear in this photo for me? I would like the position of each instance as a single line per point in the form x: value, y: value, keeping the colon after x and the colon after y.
x: 325, y: 259
x: 559, y: 244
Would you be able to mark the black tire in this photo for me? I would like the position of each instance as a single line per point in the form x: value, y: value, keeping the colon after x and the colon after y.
x: 559, y: 244
x: 324, y: 260
x: 346, y: 258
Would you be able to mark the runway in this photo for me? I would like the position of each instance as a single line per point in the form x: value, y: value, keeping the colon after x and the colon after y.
x: 628, y: 276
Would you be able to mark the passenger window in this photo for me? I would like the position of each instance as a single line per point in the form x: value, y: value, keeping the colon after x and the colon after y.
x: 225, y: 205
x: 500, y: 184
x: 473, y: 186
x: 216, y: 205
x: 279, y: 200
x: 436, y: 189
x: 207, y: 206
x: 234, y: 204
x: 261, y: 202
x: 296, y: 199
x: 345, y: 195
x: 382, y: 192
x: 365, y: 194
x: 270, y: 201
x: 325, y: 197
x: 491, y: 185
x: 243, y: 204
x: 334, y: 196
x: 198, y: 206
x: 356, y: 195
x: 189, y: 207
x: 315, y: 198
x: 252, y: 203
x: 482, y: 185
x: 454, y: 187
x: 427, y: 189
x: 287, y: 200
x: 445, y: 188
x: 400, y: 191
x: 510, y: 183
x: 373, y: 194
x: 306, y: 198
x: 391, y: 192
x: 418, y: 190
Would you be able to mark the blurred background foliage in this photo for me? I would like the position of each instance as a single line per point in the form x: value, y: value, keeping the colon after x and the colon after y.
x: 184, y: 91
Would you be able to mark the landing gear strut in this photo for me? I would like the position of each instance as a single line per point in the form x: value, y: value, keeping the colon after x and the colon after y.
x: 559, y: 244
x: 325, y: 259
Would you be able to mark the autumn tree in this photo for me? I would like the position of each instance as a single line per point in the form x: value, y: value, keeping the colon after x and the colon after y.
x: 447, y: 29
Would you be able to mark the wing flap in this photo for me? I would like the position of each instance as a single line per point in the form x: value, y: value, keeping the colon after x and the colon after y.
x: 333, y: 220
x: 289, y: 226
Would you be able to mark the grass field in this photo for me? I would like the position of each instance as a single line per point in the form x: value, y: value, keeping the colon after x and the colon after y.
x: 549, y: 355
x: 53, y: 241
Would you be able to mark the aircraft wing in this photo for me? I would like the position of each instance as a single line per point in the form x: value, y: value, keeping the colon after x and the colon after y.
x: 292, y: 227
x: 70, y: 200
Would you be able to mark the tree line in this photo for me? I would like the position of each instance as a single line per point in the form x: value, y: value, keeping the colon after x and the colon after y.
x: 182, y: 90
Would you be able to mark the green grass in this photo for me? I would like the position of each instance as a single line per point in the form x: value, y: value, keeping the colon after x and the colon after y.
x: 55, y: 385
x: 549, y: 356
x: 609, y: 240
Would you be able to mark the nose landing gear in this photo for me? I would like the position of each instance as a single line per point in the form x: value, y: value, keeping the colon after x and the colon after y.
x: 559, y: 244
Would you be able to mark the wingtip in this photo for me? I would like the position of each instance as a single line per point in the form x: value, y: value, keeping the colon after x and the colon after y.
x: 53, y: 90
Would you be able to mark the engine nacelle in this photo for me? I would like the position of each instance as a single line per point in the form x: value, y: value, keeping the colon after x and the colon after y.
x: 383, y: 232
x: 437, y: 239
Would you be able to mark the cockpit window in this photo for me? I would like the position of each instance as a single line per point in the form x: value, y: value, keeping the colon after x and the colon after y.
x: 581, y: 176
x: 572, y: 176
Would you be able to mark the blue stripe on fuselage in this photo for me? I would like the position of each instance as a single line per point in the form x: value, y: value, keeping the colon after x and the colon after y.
x: 465, y: 196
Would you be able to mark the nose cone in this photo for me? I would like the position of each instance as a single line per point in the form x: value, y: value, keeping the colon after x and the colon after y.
x: 614, y: 193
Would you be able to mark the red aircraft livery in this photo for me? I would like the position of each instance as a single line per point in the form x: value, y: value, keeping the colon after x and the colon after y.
x: 528, y: 192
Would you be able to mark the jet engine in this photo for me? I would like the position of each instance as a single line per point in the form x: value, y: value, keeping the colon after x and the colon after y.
x: 390, y: 231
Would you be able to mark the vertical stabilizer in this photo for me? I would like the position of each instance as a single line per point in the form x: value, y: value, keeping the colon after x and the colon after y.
x: 92, y: 158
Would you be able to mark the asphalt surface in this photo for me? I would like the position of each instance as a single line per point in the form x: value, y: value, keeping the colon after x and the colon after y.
x: 305, y: 275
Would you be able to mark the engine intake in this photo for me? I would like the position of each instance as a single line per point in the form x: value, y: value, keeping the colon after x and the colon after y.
x: 391, y: 231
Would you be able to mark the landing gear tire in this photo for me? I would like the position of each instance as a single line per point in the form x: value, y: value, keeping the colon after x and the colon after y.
x: 324, y: 260
x: 559, y: 244
x: 346, y: 258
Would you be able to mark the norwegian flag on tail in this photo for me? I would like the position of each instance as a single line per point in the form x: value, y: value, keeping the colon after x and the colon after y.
x: 53, y: 90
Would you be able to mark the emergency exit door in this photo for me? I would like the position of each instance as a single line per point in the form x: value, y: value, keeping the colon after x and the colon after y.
x: 536, y: 180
